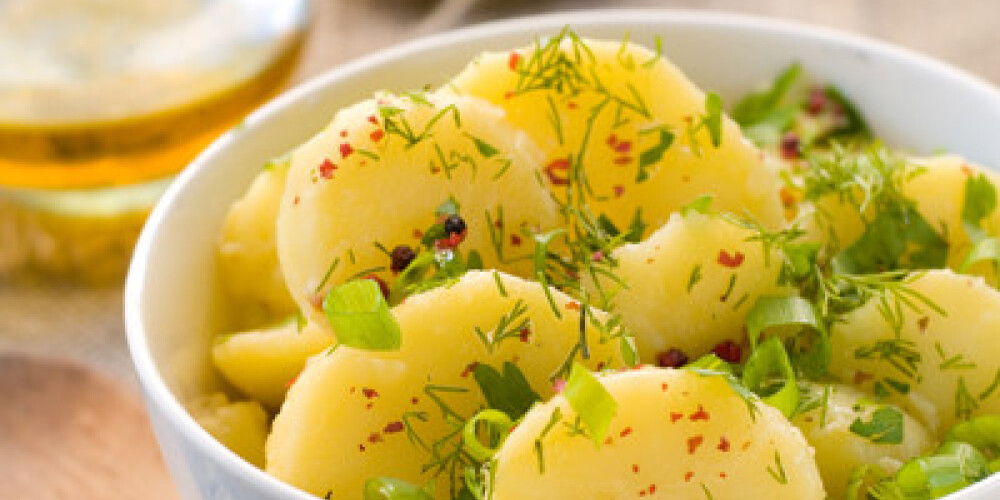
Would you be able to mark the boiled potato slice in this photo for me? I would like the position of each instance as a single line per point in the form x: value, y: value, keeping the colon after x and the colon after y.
x: 344, y: 420
x: 262, y: 363
x: 357, y: 183
x: 676, y: 434
x: 690, y: 284
x: 240, y: 425
x: 941, y: 368
x: 642, y: 95
x: 248, y: 257
x: 827, y: 428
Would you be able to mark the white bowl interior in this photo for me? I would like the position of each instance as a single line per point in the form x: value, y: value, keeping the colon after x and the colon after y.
x: 173, y: 294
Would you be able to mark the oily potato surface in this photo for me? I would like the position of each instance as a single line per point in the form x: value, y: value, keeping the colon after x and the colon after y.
x: 676, y: 434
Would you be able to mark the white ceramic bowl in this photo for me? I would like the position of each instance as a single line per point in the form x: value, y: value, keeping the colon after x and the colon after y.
x: 173, y: 295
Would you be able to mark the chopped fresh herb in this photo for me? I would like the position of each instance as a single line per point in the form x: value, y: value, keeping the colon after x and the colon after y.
x: 554, y: 419
x: 508, y: 392
x: 652, y: 155
x: 486, y: 150
x: 389, y: 488
x: 694, y: 277
x: 361, y: 317
x: 591, y: 402
x: 778, y: 471
x: 965, y: 403
x: 885, y: 426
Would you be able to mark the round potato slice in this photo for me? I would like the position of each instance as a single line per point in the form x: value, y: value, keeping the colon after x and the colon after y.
x: 379, y: 171
x: 942, y: 368
x: 355, y: 415
x: 839, y: 449
x: 631, y: 119
x: 690, y: 284
x: 676, y: 434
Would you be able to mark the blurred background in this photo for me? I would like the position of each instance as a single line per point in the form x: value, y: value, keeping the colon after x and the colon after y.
x: 64, y: 246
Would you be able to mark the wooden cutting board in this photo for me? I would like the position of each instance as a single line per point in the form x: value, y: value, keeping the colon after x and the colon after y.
x: 68, y: 432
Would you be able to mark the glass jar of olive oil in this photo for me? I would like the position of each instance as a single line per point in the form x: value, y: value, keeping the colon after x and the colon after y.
x: 103, y: 101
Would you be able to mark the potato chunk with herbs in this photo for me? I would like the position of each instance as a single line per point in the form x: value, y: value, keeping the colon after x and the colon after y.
x: 848, y: 429
x: 626, y: 127
x: 690, y: 284
x: 354, y: 415
x: 940, y: 367
x: 676, y: 434
x: 378, y: 172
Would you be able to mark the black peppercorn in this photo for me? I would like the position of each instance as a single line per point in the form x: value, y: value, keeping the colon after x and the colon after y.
x: 401, y: 257
x: 454, y: 225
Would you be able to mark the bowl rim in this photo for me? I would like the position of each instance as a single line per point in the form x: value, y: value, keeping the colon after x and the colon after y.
x: 167, y: 405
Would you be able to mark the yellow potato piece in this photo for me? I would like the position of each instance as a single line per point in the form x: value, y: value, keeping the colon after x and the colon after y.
x: 344, y: 419
x: 248, y: 258
x: 839, y: 450
x: 636, y: 94
x: 356, y: 184
x: 241, y: 425
x: 263, y: 363
x: 690, y: 284
x: 676, y: 434
x: 947, y: 363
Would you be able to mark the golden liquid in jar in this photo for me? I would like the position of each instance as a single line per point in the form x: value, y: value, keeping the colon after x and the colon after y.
x: 135, y: 149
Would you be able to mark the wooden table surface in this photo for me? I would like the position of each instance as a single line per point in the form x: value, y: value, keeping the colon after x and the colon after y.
x: 86, y: 324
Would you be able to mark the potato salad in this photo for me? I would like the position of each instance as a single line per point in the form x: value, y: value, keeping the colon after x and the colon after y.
x: 569, y: 272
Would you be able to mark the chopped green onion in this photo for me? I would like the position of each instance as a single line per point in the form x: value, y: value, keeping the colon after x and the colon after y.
x: 360, y: 316
x: 982, y: 432
x: 986, y: 249
x: 630, y: 354
x: 496, y: 422
x: 812, y: 352
x: 389, y: 488
x: 767, y: 367
x: 713, y: 118
x: 701, y: 205
x: 591, y: 402
x: 954, y: 466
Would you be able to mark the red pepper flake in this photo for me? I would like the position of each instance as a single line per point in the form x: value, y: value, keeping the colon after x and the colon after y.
x: 558, y: 171
x: 701, y: 414
x: 571, y: 105
x: 732, y: 261
x: 723, y: 444
x: 375, y: 438
x: 675, y: 416
x: 469, y: 368
x: 573, y: 305
x: 619, y: 190
x: 369, y: 393
x: 635, y: 468
x: 373, y: 119
x: 861, y: 377
x: 343, y: 133
x: 664, y: 386
x: 642, y: 493
x: 694, y: 442
x: 746, y: 446
x: 369, y: 406
x: 967, y: 170
x: 600, y: 366
x: 291, y: 382
x: 525, y: 334
x: 361, y: 447
x: 295, y: 201
x: 513, y: 60
x: 608, y: 441
x: 652, y: 489
x: 723, y: 475
x: 377, y: 135
x: 623, y: 160
x: 515, y: 240
x: 508, y: 94
x: 623, y: 147
x: 382, y: 285
x: 418, y: 233
x: 922, y: 323
x: 346, y: 150
x: 326, y: 169
x: 612, y: 140
x: 414, y: 400
x: 393, y: 427
x: 558, y: 385
x: 625, y: 432
x: 688, y: 475
x: 352, y: 390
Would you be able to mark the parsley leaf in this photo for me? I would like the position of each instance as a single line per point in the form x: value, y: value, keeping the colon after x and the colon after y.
x: 885, y: 426
x: 508, y: 392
